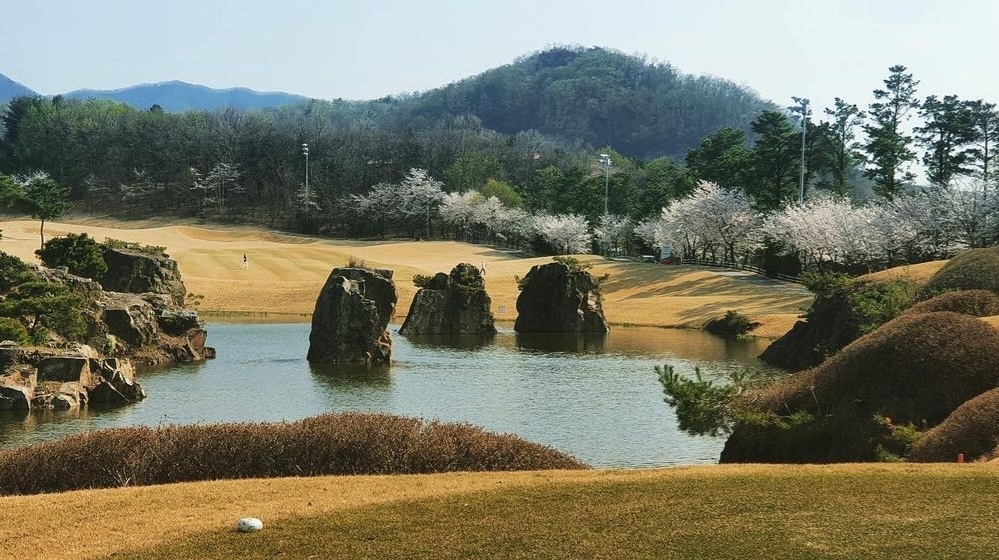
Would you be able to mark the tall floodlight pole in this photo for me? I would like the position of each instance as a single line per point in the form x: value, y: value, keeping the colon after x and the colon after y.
x: 605, y: 160
x: 802, y: 108
x: 305, y: 152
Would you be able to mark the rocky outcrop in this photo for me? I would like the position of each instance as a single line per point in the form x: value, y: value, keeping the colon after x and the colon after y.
x: 352, y: 312
x: 130, y: 318
x: 39, y: 379
x: 139, y: 272
x: 555, y: 298
x: 455, y: 303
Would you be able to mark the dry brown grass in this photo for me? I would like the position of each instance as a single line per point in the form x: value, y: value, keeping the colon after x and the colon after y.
x: 344, y: 444
x: 286, y: 273
x: 977, y: 303
x: 919, y: 274
x: 747, y: 511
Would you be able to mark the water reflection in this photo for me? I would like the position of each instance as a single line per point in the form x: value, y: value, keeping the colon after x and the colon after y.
x: 352, y: 375
x: 455, y: 341
x: 572, y: 343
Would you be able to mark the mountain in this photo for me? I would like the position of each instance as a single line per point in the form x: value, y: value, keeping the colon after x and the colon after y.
x: 176, y: 96
x: 10, y: 89
x: 598, y: 96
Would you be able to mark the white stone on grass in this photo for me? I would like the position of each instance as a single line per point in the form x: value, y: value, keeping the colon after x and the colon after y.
x: 249, y: 525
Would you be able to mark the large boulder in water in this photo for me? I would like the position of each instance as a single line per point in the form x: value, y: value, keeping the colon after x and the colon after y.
x: 556, y: 298
x: 451, y: 304
x: 352, y: 312
x: 139, y: 272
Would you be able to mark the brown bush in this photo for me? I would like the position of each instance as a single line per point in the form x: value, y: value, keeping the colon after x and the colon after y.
x: 330, y: 444
x: 977, y: 303
x: 916, y: 369
x: 975, y: 269
x: 972, y: 429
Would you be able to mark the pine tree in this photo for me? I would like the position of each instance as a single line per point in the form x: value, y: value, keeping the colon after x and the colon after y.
x: 888, y: 147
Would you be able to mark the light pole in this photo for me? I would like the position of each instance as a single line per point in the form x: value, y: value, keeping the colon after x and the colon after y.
x: 801, y: 108
x: 605, y: 161
x: 305, y: 152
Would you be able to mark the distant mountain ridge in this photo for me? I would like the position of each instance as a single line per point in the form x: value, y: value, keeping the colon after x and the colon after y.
x: 10, y: 89
x: 582, y: 95
x: 175, y: 96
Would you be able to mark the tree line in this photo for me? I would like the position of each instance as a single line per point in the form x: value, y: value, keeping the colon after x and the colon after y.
x: 377, y: 170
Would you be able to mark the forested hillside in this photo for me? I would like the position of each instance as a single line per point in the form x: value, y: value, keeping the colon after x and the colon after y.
x: 601, y: 97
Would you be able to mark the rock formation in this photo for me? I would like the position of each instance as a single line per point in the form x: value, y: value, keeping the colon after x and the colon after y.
x: 352, y: 312
x: 149, y: 328
x: 451, y: 304
x: 64, y: 379
x: 138, y: 272
x: 556, y: 298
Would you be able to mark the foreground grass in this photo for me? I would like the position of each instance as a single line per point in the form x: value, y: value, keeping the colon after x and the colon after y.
x: 844, y: 511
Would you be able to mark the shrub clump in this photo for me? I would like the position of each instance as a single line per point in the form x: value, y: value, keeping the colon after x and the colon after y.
x: 113, y: 243
x: 975, y: 269
x: 914, y: 370
x: 79, y: 253
x: 977, y: 303
x: 733, y: 324
x: 329, y: 444
x: 972, y: 429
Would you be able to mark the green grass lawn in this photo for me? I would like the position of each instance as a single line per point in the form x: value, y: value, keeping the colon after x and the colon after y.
x: 846, y: 511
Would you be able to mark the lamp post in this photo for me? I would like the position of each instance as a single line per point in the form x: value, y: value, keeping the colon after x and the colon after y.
x: 605, y: 161
x: 802, y: 109
x: 305, y: 152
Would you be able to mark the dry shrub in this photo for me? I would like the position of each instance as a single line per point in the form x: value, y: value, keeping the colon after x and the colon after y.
x: 975, y: 269
x: 329, y: 444
x: 977, y: 303
x: 916, y: 368
x: 913, y: 371
x: 972, y: 429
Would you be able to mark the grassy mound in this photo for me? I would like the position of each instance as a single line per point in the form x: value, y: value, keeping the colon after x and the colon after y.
x: 329, y: 444
x: 973, y: 429
x: 976, y: 269
x: 977, y: 303
x: 915, y: 370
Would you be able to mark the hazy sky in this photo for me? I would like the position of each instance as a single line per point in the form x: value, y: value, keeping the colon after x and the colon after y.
x: 370, y: 48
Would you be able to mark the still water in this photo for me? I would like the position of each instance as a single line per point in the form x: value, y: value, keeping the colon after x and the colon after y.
x: 598, y: 400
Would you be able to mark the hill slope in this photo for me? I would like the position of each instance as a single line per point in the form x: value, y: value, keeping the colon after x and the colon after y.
x: 176, y: 96
x: 10, y: 89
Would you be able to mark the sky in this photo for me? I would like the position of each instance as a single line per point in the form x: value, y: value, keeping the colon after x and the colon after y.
x: 367, y: 49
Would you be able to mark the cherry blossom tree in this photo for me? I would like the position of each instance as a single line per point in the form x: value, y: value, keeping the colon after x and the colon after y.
x: 568, y: 234
x: 613, y: 231
x: 412, y: 203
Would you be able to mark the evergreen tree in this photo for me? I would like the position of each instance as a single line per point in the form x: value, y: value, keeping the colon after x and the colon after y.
x: 983, y: 156
x: 946, y: 134
x: 721, y: 158
x: 775, y: 160
x: 839, y: 146
x: 44, y: 199
x: 888, y: 147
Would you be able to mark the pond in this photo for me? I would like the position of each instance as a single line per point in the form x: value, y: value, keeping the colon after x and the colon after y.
x: 596, y: 399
